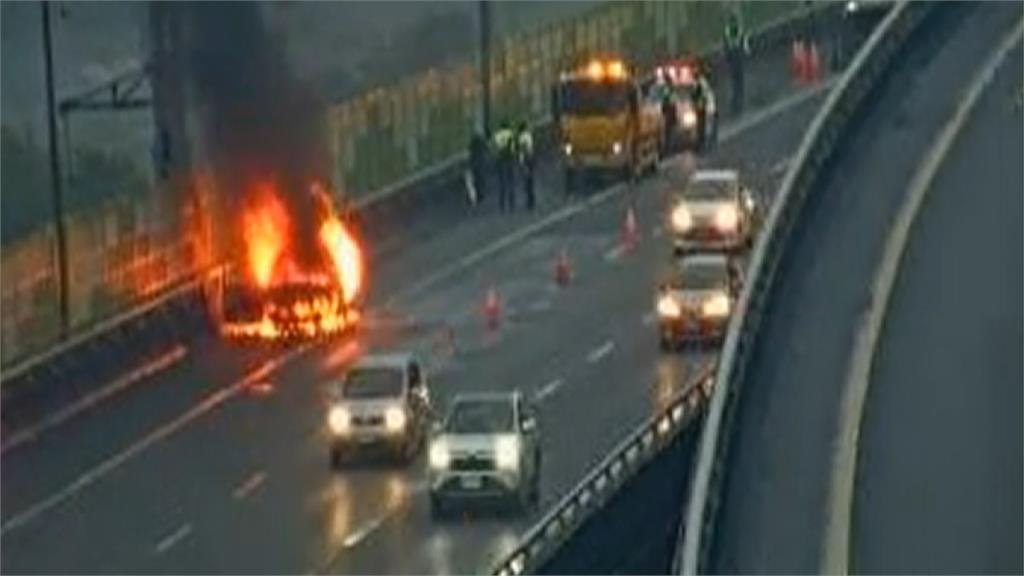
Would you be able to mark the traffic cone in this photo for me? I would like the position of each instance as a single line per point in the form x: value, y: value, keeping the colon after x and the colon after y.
x: 563, y: 270
x: 798, y: 60
x: 629, y: 229
x: 813, y: 64
x: 492, y: 308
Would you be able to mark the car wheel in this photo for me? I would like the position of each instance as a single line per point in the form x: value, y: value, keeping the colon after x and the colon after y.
x: 336, y: 458
x: 438, y: 509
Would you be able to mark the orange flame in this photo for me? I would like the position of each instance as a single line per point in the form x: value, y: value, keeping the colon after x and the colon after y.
x: 266, y: 228
x: 267, y: 232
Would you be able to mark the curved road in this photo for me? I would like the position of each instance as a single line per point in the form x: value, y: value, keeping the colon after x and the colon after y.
x: 941, y: 451
x: 928, y: 432
x: 198, y: 469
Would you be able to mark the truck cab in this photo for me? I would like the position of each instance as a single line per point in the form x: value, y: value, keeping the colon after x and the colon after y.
x: 606, y: 124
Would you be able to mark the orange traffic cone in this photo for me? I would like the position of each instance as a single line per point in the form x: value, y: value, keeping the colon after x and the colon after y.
x: 563, y: 270
x: 813, y: 64
x: 798, y: 60
x: 629, y: 230
x: 492, y: 308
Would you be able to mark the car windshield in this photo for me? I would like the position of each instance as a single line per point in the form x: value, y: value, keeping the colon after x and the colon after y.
x: 368, y: 383
x: 711, y: 190
x: 588, y: 98
x: 480, y: 417
x: 701, y: 275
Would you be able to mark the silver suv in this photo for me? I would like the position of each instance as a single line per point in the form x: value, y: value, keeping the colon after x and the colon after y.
x: 488, y: 448
x: 381, y: 404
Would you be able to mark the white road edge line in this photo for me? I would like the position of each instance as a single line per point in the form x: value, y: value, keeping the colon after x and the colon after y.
x: 172, y: 539
x: 836, y: 542
x: 122, y: 382
x: 597, y: 354
x: 548, y: 389
x: 110, y: 464
x: 249, y: 485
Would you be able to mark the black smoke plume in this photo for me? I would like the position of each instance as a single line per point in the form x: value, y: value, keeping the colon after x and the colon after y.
x: 259, y: 121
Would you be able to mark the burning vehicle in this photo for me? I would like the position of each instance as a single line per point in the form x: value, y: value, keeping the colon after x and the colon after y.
x: 284, y: 293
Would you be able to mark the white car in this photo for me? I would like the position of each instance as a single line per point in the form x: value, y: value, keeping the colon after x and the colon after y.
x: 697, y: 302
x: 715, y: 212
x: 381, y: 404
x: 486, y: 449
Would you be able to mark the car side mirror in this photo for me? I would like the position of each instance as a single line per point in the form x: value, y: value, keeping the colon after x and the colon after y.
x: 529, y: 424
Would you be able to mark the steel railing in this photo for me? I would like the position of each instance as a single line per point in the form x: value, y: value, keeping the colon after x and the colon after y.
x: 820, y: 142
x: 604, y: 480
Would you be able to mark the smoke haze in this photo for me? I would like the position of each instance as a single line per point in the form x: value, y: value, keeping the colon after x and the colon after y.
x: 259, y: 123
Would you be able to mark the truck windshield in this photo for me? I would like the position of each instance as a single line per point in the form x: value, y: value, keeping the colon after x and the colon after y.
x: 368, y: 383
x: 589, y: 98
x: 481, y: 417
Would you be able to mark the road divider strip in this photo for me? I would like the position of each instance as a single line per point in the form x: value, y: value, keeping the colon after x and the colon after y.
x: 838, y: 525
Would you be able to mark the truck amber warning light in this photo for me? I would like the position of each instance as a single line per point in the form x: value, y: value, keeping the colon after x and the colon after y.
x: 279, y: 295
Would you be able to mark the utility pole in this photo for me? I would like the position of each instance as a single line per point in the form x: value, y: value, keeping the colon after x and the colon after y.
x: 55, y: 176
x: 485, y: 65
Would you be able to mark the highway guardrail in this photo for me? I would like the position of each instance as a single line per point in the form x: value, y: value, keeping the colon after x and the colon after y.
x: 602, y: 482
x: 819, y: 145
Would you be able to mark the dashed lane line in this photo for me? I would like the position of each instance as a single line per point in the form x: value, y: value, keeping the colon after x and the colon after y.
x: 249, y: 485
x: 548, y: 389
x: 146, y: 370
x: 173, y: 539
x: 107, y: 466
x: 599, y: 353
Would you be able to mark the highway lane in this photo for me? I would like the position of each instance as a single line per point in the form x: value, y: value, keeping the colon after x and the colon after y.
x: 946, y: 383
x: 146, y: 512
x: 774, y: 497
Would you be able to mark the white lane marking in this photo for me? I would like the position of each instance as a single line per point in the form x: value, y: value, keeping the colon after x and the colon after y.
x: 836, y: 542
x: 172, y: 539
x: 774, y: 109
x: 123, y: 382
x: 113, y: 462
x: 597, y: 354
x: 647, y: 319
x: 365, y: 530
x: 548, y: 389
x: 249, y: 485
x: 615, y: 252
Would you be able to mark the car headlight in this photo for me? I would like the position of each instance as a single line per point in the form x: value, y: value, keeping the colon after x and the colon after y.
x: 506, y: 453
x: 567, y: 148
x: 727, y: 218
x: 668, y: 307
x: 617, y: 148
x: 681, y: 220
x: 439, y: 456
x: 689, y: 118
x: 394, y: 419
x: 338, y: 420
x: 716, y: 307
